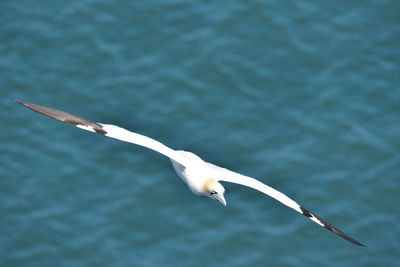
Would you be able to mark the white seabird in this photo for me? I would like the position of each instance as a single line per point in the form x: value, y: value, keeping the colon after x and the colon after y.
x: 202, y: 178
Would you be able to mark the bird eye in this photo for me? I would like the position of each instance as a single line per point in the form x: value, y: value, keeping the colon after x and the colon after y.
x: 213, y: 192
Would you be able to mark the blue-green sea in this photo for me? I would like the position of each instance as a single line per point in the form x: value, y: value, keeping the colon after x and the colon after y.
x: 302, y: 95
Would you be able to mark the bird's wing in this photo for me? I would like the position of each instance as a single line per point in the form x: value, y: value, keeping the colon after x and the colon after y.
x: 107, y: 130
x: 222, y: 174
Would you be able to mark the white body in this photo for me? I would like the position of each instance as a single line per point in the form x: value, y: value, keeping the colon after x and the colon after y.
x: 193, y: 175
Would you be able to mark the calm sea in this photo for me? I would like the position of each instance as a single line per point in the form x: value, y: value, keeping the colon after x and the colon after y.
x: 303, y: 95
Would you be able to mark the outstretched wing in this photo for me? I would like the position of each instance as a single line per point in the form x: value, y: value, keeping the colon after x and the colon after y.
x: 222, y: 174
x: 107, y: 130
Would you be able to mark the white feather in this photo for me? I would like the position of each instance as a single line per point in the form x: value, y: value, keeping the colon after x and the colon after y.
x: 122, y: 134
x: 222, y: 174
x: 85, y: 127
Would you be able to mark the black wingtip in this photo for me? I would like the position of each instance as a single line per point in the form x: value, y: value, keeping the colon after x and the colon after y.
x: 63, y: 116
x: 330, y: 227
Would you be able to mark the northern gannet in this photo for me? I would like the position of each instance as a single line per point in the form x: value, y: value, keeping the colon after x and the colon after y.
x: 202, y: 178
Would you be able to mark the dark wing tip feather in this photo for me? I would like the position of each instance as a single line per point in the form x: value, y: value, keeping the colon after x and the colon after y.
x: 63, y: 116
x: 330, y: 227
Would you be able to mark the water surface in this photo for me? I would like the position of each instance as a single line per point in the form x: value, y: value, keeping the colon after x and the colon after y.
x: 303, y: 96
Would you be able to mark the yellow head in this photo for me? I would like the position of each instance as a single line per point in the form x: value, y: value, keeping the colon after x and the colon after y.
x: 213, y: 189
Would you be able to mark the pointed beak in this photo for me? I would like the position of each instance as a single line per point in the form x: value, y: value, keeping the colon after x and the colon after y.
x: 220, y: 198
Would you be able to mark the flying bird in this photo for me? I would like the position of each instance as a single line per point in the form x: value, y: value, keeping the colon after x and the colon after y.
x: 202, y: 178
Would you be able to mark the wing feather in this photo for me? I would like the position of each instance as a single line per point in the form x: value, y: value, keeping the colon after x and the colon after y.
x: 226, y: 175
x: 107, y: 130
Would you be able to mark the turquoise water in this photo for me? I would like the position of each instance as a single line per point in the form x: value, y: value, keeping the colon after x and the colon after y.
x: 302, y: 95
